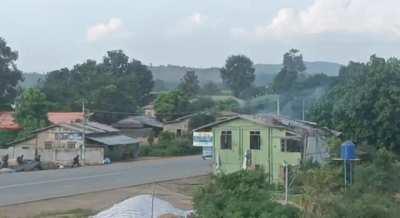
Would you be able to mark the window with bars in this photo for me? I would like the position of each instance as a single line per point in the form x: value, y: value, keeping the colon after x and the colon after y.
x: 226, y: 140
x: 255, y: 140
x: 288, y: 145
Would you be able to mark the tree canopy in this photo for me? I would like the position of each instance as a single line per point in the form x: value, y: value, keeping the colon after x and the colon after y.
x: 10, y: 76
x: 238, y: 73
x: 31, y: 110
x: 116, y: 84
x: 190, y: 84
x: 364, y: 103
x: 171, y: 105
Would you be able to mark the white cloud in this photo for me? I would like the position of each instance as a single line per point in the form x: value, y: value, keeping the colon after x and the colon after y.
x: 374, y: 17
x: 104, y: 30
x: 189, y: 24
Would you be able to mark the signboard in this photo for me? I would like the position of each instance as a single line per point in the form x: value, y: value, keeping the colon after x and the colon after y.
x: 202, y: 139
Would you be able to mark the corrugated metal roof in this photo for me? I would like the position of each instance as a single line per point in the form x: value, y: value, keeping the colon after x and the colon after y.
x: 90, y: 127
x: 138, y: 122
x: 114, y: 140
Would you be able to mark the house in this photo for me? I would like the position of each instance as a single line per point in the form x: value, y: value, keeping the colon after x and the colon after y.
x: 8, y: 123
x: 65, y: 117
x: 140, y: 127
x: 179, y: 126
x: 249, y: 141
x: 62, y: 142
x: 149, y: 110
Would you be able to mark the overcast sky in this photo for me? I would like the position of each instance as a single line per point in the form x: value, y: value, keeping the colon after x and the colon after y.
x: 50, y: 34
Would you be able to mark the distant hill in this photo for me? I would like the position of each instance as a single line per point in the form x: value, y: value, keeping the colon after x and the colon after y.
x: 171, y: 74
x: 264, y: 72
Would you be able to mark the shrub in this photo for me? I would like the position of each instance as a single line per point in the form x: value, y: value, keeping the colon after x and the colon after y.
x: 240, y: 194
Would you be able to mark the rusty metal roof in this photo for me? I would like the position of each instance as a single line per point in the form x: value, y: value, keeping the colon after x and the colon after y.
x: 7, y: 122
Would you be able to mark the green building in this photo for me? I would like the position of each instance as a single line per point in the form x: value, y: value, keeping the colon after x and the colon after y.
x: 245, y: 141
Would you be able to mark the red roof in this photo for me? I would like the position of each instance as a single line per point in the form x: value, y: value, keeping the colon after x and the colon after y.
x: 65, y: 117
x: 7, y: 122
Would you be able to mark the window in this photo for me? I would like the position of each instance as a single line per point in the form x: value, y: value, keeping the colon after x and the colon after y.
x: 25, y: 148
x: 71, y: 145
x: 255, y: 140
x: 290, y: 145
x: 48, y: 145
x: 179, y: 132
x: 226, y: 140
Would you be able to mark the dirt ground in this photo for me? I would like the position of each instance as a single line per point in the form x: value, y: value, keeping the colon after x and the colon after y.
x: 177, y: 192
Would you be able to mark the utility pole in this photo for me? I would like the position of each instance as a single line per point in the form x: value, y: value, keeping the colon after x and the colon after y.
x: 286, y: 182
x: 277, y: 106
x: 83, y: 132
x: 302, y: 109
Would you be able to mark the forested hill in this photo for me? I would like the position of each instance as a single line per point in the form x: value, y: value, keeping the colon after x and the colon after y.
x: 264, y: 72
x: 172, y: 74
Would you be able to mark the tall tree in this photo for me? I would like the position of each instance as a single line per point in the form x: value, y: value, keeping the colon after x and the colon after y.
x: 292, y: 65
x: 9, y: 75
x: 171, y: 105
x: 190, y: 84
x: 238, y: 73
x: 365, y: 103
x: 116, y: 84
x: 31, y: 109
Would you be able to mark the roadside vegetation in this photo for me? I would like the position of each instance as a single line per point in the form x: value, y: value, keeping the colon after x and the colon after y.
x: 170, y: 145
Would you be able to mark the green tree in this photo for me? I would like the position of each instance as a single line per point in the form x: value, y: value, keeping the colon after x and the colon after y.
x: 116, y: 84
x: 238, y: 73
x: 292, y: 65
x: 171, y: 105
x: 10, y: 76
x: 364, y: 103
x: 31, y: 110
x: 210, y: 88
x: 190, y: 84
x: 228, y: 105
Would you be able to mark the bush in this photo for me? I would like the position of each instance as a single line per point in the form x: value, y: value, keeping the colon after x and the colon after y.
x: 240, y: 194
x: 170, y: 145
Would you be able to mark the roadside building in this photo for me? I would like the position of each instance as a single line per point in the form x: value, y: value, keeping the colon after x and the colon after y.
x: 149, y: 110
x: 9, y: 128
x: 140, y: 128
x: 62, y: 142
x: 180, y: 126
x: 65, y: 117
x: 247, y: 141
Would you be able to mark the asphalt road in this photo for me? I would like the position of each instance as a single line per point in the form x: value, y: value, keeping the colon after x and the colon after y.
x: 39, y: 185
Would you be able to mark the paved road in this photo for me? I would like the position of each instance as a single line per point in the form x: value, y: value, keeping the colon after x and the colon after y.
x: 39, y: 185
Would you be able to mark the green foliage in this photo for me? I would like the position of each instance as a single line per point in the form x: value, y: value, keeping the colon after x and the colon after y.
x: 364, y: 103
x: 240, y: 194
x: 292, y: 65
x: 31, y: 110
x: 372, y: 194
x: 170, y: 145
x: 228, y: 105
x: 10, y: 76
x: 116, y: 84
x: 238, y: 73
x: 210, y: 88
x: 190, y: 84
x: 201, y: 119
x: 7, y: 136
x: 171, y: 105
x: 202, y: 104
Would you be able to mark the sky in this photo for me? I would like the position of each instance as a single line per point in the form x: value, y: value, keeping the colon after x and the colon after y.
x: 51, y: 34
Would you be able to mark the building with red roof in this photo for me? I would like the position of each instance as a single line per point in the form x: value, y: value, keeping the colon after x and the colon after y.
x: 7, y: 122
x: 65, y: 117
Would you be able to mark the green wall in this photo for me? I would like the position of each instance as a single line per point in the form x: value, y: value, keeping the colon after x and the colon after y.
x: 269, y: 156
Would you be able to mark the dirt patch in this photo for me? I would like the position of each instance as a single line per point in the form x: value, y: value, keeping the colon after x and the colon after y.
x: 178, y: 192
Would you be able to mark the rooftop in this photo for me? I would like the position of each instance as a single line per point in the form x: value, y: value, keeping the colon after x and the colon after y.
x: 7, y: 122
x: 65, y: 117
